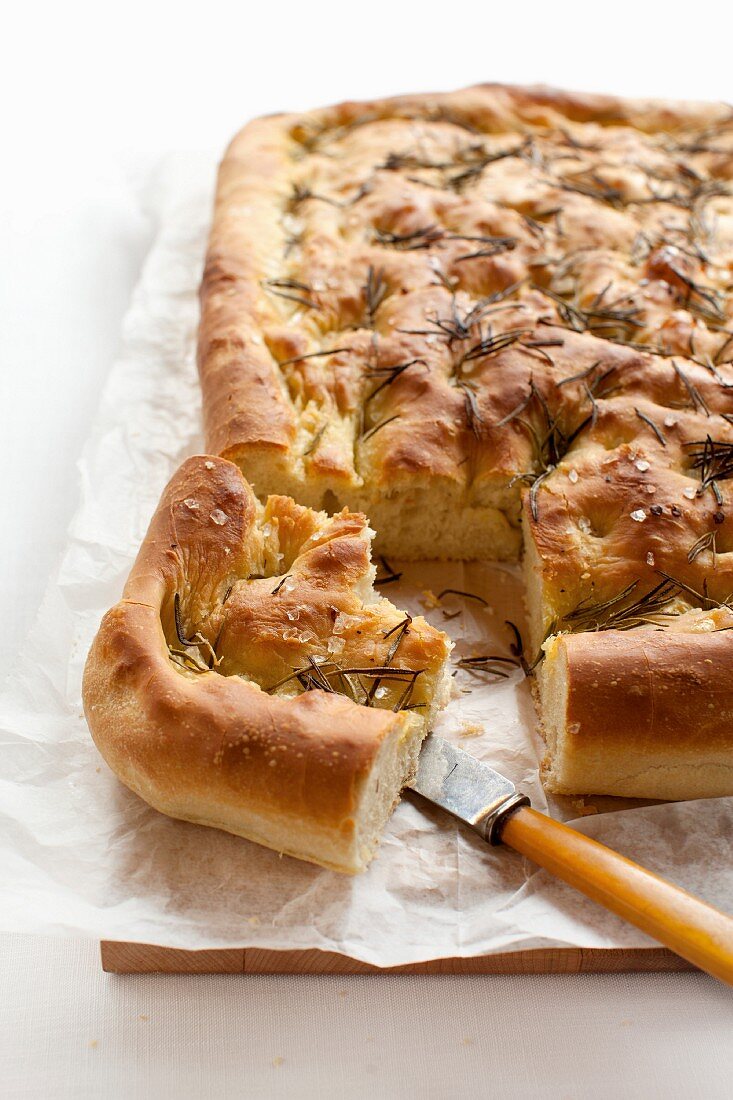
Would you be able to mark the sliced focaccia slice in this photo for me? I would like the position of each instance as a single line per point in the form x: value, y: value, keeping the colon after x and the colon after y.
x: 251, y: 679
x: 643, y: 713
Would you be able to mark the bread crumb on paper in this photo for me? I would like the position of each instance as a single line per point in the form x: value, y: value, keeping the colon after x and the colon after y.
x: 582, y: 808
x: 429, y: 599
x: 470, y: 729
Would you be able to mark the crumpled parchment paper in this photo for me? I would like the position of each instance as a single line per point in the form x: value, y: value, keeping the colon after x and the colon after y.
x: 80, y: 854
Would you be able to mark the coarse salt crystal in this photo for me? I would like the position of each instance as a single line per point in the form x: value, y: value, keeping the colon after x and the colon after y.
x: 293, y: 614
x: 380, y: 693
x: 689, y: 492
x: 191, y: 503
x: 639, y: 515
x: 573, y: 476
x: 650, y: 558
x: 651, y: 489
x: 209, y: 465
x: 584, y: 524
x: 641, y: 464
x: 669, y: 422
x: 219, y: 517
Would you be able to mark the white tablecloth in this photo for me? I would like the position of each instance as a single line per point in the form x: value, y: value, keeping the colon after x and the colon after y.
x: 92, y: 89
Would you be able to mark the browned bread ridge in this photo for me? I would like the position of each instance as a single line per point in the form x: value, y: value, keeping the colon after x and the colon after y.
x: 228, y: 686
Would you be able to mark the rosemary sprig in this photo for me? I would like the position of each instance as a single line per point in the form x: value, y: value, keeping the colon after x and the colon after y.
x: 704, y: 359
x: 477, y: 158
x: 595, y: 380
x: 292, y: 290
x: 489, y: 663
x: 389, y: 576
x: 336, y: 679
x: 494, y: 246
x: 616, y: 614
x: 705, y: 542
x: 697, y: 399
x: 706, y: 301
x: 606, y: 319
x: 390, y: 375
x: 312, y: 446
x: 378, y: 427
x: 280, y: 583
x: 302, y: 193
x: 727, y: 344
x: 313, y: 355
x: 460, y: 325
x: 705, y: 602
x: 465, y: 595
x: 550, y: 442
x: 650, y: 423
x: 517, y: 648
x: 197, y: 641
x: 488, y: 344
x: 187, y: 661
x: 473, y: 413
x: 411, y: 242
x: 590, y: 184
x: 713, y: 458
x: 400, y: 631
x: 428, y: 235
x: 396, y: 162
x: 374, y: 291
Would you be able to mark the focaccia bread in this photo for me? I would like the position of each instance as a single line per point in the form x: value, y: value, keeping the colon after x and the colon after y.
x: 505, y: 310
x: 251, y: 679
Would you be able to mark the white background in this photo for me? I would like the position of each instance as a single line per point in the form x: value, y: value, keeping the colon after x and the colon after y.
x: 91, y: 93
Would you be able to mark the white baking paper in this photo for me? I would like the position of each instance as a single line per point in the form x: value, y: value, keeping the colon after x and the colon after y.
x: 80, y: 854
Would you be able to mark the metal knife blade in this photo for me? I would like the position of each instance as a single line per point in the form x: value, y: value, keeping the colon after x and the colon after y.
x: 466, y: 788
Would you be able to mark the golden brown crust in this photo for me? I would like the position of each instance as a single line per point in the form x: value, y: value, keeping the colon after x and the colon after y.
x: 425, y: 305
x: 445, y: 200
x: 645, y: 713
x: 221, y: 581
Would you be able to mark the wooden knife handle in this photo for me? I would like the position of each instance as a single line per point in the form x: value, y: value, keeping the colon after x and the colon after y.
x: 690, y: 927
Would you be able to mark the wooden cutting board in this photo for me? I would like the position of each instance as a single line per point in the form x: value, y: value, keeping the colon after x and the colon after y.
x: 140, y: 958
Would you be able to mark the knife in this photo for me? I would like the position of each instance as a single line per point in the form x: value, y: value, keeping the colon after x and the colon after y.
x: 488, y: 802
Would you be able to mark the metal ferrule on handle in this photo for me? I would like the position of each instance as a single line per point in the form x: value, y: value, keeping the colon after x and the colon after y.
x: 491, y: 825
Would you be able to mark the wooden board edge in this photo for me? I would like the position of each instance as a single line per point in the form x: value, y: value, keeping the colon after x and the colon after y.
x: 142, y: 958
x: 137, y: 958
